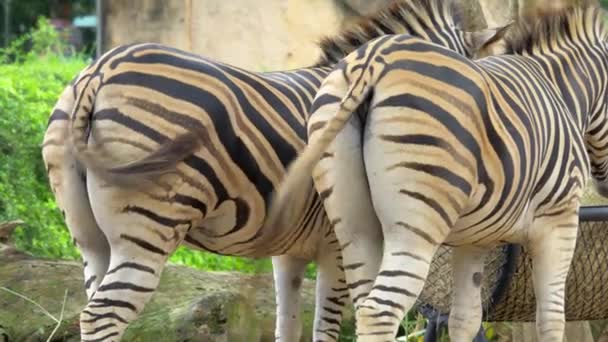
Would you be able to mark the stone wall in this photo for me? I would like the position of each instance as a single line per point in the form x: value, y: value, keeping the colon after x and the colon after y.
x: 263, y: 35
x: 257, y: 35
x: 499, y: 12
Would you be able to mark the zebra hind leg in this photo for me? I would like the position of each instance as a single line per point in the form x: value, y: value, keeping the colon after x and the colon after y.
x: 466, y: 311
x: 94, y: 248
x: 141, y: 242
x: 331, y: 294
x: 551, y: 247
x: 70, y: 191
x: 402, y: 275
x: 416, y: 219
x: 341, y: 180
x: 136, y: 264
x: 288, y: 274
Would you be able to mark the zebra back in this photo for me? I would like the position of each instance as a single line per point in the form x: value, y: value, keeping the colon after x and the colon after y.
x: 434, y: 20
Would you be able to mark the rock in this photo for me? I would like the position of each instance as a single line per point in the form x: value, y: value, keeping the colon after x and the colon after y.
x: 190, y: 305
x: 498, y: 12
x: 363, y: 7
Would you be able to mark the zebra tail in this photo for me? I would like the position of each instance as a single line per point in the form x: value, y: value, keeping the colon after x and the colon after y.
x: 290, y: 198
x: 162, y: 160
x: 134, y: 173
x: 81, y: 120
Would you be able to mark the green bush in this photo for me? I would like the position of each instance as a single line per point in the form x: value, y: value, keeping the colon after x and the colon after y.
x: 28, y: 92
x: 29, y: 87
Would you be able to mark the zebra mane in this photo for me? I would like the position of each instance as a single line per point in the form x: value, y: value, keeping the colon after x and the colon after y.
x: 544, y: 27
x: 399, y: 17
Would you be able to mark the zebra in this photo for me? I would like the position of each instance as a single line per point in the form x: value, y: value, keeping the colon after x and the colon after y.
x: 468, y: 153
x: 185, y: 150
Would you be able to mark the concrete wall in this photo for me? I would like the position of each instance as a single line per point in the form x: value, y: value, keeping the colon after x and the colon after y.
x: 254, y: 34
x: 262, y: 34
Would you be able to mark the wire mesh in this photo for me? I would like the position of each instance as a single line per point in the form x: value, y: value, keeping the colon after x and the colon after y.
x: 507, y: 291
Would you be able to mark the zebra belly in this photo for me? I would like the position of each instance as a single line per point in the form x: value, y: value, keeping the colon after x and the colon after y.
x: 222, y: 233
x: 306, y: 248
x: 494, y: 230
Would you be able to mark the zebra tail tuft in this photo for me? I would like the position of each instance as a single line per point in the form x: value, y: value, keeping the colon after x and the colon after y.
x: 162, y: 160
x: 136, y: 173
x: 142, y: 172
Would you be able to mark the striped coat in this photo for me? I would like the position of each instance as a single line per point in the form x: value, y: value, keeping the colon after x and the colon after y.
x: 447, y: 150
x: 167, y: 148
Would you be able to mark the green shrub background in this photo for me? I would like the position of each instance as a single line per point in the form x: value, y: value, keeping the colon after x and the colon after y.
x: 30, y: 84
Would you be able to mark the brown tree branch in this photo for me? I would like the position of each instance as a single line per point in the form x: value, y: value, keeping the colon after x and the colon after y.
x: 7, y: 228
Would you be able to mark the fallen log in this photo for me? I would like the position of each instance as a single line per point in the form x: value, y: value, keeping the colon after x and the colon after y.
x: 7, y: 228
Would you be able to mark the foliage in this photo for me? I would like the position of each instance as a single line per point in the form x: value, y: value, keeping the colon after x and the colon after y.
x: 214, y: 262
x: 43, y: 41
x: 24, y: 13
x: 28, y: 89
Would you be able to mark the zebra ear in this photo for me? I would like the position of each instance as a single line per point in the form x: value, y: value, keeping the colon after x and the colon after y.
x: 488, y: 42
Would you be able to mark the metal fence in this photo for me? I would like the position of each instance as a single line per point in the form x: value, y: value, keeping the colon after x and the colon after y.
x: 507, y: 290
